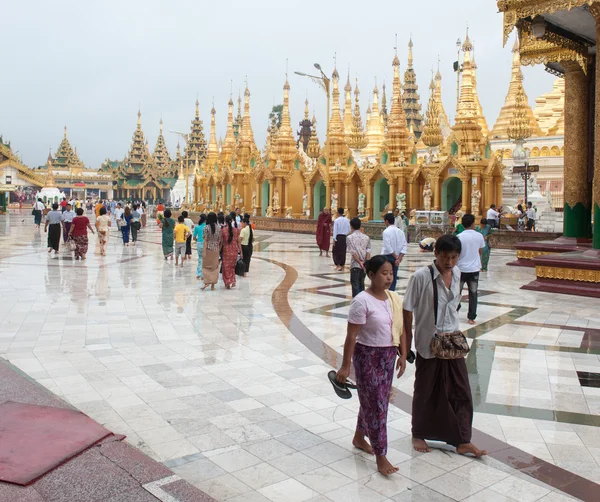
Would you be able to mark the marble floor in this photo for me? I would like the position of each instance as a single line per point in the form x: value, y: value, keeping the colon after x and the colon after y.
x: 229, y: 388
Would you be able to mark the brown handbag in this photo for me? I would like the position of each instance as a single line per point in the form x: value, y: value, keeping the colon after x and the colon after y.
x: 447, y: 345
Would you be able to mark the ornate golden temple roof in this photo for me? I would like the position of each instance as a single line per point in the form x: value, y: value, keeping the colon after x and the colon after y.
x: 501, y: 126
x: 411, y: 101
x: 358, y: 139
x: 396, y: 142
x: 432, y: 132
x: 162, y: 160
x: 196, y: 143
x: 314, y: 148
x: 519, y: 127
x: 66, y: 157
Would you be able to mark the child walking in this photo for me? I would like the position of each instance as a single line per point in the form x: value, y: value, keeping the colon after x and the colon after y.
x: 181, y: 234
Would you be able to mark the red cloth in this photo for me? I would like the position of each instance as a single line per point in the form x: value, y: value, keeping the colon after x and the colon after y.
x: 324, y: 231
x: 230, y: 254
x: 63, y: 203
x: 79, y: 225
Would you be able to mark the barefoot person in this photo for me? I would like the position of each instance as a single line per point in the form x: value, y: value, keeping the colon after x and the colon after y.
x: 469, y: 262
x: 210, y: 252
x: 372, y: 339
x: 442, y: 408
x: 324, y: 231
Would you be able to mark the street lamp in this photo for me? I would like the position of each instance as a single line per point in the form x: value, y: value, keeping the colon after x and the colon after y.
x: 323, y: 82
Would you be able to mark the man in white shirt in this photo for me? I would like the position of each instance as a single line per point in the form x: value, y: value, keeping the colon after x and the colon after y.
x: 531, y: 215
x: 469, y: 262
x: 398, y: 222
x: 394, y: 245
x: 341, y: 229
x: 493, y: 216
x: 67, y: 218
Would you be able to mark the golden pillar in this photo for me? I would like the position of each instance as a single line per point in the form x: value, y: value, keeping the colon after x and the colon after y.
x: 595, y: 11
x: 411, y: 202
x: 309, y: 200
x: 346, y: 195
x: 466, y: 194
x: 577, y: 107
x: 437, y: 193
x: 327, y: 193
x: 392, y: 185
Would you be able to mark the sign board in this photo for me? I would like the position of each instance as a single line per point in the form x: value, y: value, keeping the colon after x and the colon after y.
x: 526, y: 169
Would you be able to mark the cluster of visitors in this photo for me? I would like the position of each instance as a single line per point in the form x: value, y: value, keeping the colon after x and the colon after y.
x: 223, y: 243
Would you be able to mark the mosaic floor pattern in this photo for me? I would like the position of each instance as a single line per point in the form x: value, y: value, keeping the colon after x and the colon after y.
x: 229, y: 388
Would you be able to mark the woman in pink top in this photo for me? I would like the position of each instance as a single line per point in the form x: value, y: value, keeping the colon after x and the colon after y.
x: 369, y: 343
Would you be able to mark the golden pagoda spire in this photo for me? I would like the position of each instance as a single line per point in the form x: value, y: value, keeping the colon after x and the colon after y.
x: 212, y: 153
x: 65, y: 133
x: 432, y: 133
x: 358, y: 139
x: 411, y: 101
x: 314, y: 149
x: 181, y: 173
x: 197, y: 108
x: 348, y: 107
x: 384, y: 112
x: 229, y: 141
x: 501, y: 126
x: 396, y: 140
x: 519, y: 128
x: 467, y: 130
x: 285, y: 146
x: 246, y: 147
x: 50, y: 181
x: 306, y: 111
x: 336, y: 148
x: 375, y: 128
x: 246, y: 133
x: 444, y: 121
x: 550, y: 107
x: 139, y: 121
x: 335, y: 123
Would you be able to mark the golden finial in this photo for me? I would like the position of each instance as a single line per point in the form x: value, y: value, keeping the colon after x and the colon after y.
x: 348, y: 87
x: 197, y: 108
x: 410, y: 52
x: 160, y: 123
x: 247, y: 91
x: 306, y: 111
x: 375, y: 90
x: 396, y: 61
x: 139, y: 122
x: 65, y: 132
x: 467, y: 45
x: 335, y: 74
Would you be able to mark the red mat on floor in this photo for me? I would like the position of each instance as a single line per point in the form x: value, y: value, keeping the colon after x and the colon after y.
x: 35, y: 439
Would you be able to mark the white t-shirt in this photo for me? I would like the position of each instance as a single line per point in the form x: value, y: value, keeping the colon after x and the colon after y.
x: 531, y: 213
x: 119, y: 213
x: 189, y: 223
x: 375, y: 317
x: 469, y: 260
x: 492, y: 214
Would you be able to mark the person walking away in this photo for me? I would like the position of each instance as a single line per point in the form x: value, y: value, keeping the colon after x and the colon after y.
x: 182, y: 233
x: 67, y: 218
x: 406, y: 222
x: 247, y: 241
x: 126, y: 225
x: 144, y: 217
x: 520, y: 218
x: 341, y: 229
x: 167, y: 225
x: 485, y: 230
x: 394, y: 245
x: 469, y: 263
x: 103, y: 224
x: 78, y: 232
x: 135, y: 223
x: 188, y: 243
x: 324, y: 232
x: 398, y: 219
x: 99, y: 206
x: 210, y: 252
x: 442, y: 406
x: 372, y: 340
x: 199, y: 238
x: 38, y: 209
x: 119, y: 215
x: 54, y: 224
x: 493, y: 216
x: 531, y: 216
x: 231, y: 249
x: 63, y: 205
x: 359, y: 247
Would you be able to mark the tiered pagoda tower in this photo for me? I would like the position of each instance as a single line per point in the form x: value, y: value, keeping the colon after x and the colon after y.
x: 411, y: 101
x: 348, y: 108
x: 305, y: 128
x: 66, y: 157
x: 162, y: 160
x: 384, y: 111
x: 357, y: 139
x: 432, y: 132
x: 444, y: 121
x: 237, y: 123
x: 480, y: 116
x: 196, y: 143
x: 314, y: 148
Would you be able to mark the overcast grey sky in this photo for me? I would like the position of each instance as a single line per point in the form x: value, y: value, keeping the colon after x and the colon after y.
x: 88, y: 64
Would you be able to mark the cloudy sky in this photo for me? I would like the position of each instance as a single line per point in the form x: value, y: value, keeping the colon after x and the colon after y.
x: 89, y: 64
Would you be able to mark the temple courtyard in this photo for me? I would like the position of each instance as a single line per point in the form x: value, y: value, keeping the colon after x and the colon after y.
x: 229, y: 389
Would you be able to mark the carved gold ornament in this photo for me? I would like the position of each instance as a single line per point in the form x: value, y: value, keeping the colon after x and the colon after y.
x: 530, y: 255
x: 568, y: 274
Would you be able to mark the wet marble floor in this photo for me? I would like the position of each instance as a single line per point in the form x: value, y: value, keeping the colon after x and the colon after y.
x: 229, y: 388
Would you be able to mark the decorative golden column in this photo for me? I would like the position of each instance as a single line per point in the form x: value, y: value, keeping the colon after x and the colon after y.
x: 346, y: 195
x: 466, y: 194
x: 595, y: 11
x: 577, y: 211
x: 392, y: 185
x: 437, y: 193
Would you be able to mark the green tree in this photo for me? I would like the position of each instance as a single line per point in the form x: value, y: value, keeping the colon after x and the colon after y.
x: 275, y: 115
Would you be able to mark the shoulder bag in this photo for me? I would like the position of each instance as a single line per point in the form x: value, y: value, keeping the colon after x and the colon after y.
x: 447, y: 345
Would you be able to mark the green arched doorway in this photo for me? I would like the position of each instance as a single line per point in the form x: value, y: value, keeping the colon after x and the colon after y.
x: 264, y: 197
x: 320, y: 196
x: 451, y: 192
x: 381, y: 198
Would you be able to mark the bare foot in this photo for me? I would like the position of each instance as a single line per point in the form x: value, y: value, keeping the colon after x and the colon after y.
x: 384, y: 466
x: 471, y: 321
x: 359, y: 441
x: 321, y: 253
x: 420, y: 445
x: 470, y: 448
x: 327, y: 255
x: 212, y: 288
x: 204, y: 287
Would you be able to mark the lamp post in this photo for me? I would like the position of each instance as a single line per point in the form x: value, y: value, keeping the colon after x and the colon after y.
x: 323, y: 82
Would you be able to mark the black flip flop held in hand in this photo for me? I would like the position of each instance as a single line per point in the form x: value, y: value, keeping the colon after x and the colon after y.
x: 341, y: 389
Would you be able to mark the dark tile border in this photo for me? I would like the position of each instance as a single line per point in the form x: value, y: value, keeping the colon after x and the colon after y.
x: 524, y: 462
